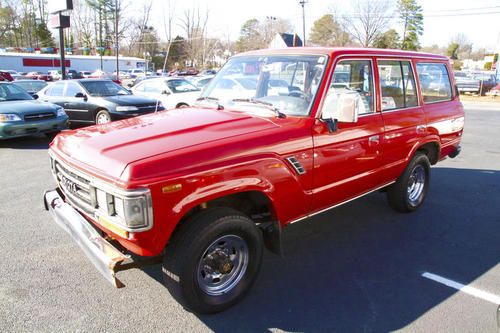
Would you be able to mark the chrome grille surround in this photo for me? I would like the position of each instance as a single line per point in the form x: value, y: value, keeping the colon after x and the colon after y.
x: 80, y: 191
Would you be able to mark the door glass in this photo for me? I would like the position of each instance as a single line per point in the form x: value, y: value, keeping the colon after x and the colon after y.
x: 353, y: 77
x: 56, y: 89
x: 397, y: 84
x: 72, y: 89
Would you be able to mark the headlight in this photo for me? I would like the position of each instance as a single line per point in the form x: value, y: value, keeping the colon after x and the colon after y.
x: 126, y: 108
x: 9, y: 117
x: 60, y: 112
x: 131, y: 212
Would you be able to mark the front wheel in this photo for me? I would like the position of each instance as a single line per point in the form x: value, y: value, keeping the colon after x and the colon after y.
x: 213, y: 260
x: 408, y: 193
x: 102, y: 117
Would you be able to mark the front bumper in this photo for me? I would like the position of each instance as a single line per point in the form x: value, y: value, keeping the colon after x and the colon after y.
x: 105, y: 257
x: 18, y: 129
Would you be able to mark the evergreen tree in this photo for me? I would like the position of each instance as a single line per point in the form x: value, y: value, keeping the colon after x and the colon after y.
x: 326, y: 31
x: 388, y: 40
x: 412, y: 18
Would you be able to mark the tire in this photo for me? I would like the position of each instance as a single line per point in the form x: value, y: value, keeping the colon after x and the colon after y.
x: 102, y: 117
x: 181, y: 106
x: 408, y: 193
x: 51, y: 135
x: 198, y: 269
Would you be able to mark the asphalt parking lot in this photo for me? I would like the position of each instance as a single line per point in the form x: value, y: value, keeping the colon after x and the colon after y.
x: 358, y: 268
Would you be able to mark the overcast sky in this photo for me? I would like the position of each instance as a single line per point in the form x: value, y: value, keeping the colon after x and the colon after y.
x: 227, y: 16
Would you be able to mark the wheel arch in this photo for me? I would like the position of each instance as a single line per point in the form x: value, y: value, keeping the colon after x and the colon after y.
x: 254, y: 203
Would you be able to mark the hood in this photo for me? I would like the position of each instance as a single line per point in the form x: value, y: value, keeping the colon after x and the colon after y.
x: 27, y: 107
x: 126, y: 100
x: 109, y: 148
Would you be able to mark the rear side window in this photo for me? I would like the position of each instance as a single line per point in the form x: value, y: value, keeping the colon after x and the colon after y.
x: 434, y: 82
x: 56, y: 89
x: 397, y: 84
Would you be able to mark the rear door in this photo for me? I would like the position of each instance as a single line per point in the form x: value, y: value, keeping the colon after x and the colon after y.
x: 54, y: 94
x: 404, y: 118
x: 77, y: 108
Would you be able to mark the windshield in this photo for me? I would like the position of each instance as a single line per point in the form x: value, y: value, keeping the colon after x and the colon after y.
x: 9, y: 92
x: 180, y: 86
x: 287, y: 83
x: 104, y: 88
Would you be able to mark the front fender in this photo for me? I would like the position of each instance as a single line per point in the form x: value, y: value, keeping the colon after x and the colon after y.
x: 271, y: 177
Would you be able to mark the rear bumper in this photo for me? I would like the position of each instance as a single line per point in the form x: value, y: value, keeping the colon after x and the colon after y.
x: 105, y: 257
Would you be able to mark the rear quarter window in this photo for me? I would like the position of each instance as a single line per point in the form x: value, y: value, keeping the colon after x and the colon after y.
x: 434, y: 82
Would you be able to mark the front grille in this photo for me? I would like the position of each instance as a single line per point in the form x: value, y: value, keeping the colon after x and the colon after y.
x: 39, y: 116
x: 76, y: 187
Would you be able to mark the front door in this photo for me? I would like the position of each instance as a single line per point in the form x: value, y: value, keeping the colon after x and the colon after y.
x: 347, y: 161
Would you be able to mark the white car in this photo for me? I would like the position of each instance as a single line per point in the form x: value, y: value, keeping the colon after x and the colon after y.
x: 173, y: 92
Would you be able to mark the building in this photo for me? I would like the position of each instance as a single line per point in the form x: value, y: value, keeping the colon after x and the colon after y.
x: 285, y: 40
x: 31, y: 62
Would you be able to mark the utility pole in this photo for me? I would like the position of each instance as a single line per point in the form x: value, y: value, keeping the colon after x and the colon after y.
x: 117, y: 45
x: 302, y: 3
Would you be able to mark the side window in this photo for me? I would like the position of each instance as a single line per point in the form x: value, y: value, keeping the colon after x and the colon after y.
x: 72, y: 89
x: 434, y: 82
x: 397, y: 84
x: 152, y: 87
x: 140, y: 87
x: 57, y: 89
x: 353, y: 77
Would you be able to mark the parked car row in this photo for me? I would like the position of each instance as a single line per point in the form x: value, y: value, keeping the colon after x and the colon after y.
x: 97, y: 99
x: 477, y: 83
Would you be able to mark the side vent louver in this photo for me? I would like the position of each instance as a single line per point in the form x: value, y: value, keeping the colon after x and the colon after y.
x: 296, y: 165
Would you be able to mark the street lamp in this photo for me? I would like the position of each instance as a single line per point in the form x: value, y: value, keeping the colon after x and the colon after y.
x: 302, y: 3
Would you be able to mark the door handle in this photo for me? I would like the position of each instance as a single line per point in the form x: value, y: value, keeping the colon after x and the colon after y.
x: 374, y: 140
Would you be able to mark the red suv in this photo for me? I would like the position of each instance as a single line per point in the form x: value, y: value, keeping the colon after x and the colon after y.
x: 276, y: 137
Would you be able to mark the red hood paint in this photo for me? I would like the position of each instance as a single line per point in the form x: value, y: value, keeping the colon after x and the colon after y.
x: 111, y: 147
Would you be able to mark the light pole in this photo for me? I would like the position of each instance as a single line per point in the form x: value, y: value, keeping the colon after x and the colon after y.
x: 117, y: 45
x: 302, y: 3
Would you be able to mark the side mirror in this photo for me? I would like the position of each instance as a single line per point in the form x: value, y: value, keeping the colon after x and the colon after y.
x: 35, y: 96
x: 341, y: 108
x: 80, y: 95
x: 165, y: 92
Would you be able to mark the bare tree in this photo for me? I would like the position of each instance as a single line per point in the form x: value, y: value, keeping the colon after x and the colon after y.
x: 194, y: 24
x: 369, y: 20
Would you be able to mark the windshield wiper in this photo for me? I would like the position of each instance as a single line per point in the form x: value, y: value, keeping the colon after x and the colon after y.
x: 213, y: 99
x: 269, y: 106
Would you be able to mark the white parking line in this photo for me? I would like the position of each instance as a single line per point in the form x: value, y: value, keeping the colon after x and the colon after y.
x: 466, y: 289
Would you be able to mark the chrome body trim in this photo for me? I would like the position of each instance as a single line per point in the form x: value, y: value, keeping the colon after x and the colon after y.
x: 339, y: 204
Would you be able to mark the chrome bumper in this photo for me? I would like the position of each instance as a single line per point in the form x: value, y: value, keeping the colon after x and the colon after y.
x: 105, y: 257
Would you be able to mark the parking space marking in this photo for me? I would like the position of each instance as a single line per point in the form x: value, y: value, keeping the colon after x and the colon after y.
x: 486, y: 296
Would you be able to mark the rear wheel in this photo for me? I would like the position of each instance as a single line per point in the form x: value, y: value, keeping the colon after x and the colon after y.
x: 102, y: 117
x: 408, y: 193
x: 213, y: 260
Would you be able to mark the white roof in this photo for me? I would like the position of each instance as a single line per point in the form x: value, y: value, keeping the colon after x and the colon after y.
x: 44, y: 55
